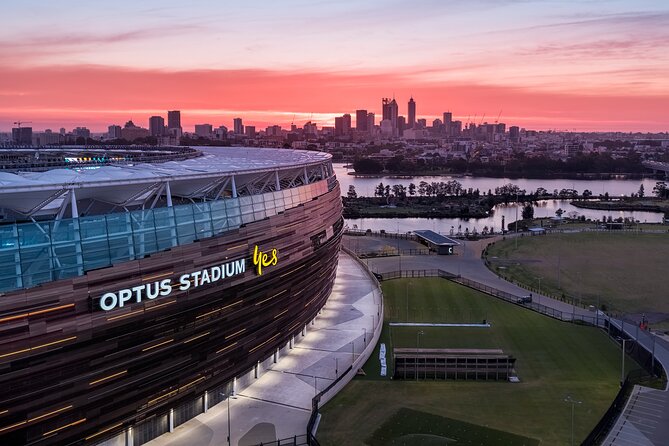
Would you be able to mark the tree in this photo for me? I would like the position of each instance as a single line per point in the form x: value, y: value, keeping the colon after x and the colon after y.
x: 351, y: 192
x: 587, y: 193
x: 378, y: 191
x: 641, y: 192
x: 559, y: 213
x: 660, y: 190
x: 422, y: 188
x: 412, y: 189
x: 367, y: 166
x: 528, y: 212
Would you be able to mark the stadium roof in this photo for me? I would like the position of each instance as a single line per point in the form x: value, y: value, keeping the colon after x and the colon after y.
x: 257, y: 170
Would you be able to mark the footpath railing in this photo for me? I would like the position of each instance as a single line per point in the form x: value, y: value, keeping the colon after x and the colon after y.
x: 315, y: 401
x: 297, y: 440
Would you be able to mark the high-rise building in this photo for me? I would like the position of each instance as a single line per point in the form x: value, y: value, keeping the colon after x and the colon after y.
x: 339, y: 126
x: 455, y: 128
x: 250, y: 131
x: 370, y: 122
x: 347, y: 124
x: 81, y: 132
x: 412, y: 113
x: 361, y: 120
x: 448, y: 117
x: 62, y: 131
x: 390, y: 111
x: 114, y: 132
x: 22, y: 135
x: 204, y: 130
x: 156, y: 126
x: 238, y: 126
x: 421, y: 123
x: 514, y: 133
x: 401, y: 125
x: 174, y: 119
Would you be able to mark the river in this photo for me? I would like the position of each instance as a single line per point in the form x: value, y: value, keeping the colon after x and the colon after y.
x: 546, y: 208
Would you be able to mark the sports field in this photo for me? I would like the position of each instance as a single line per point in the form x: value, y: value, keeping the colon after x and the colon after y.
x: 627, y: 272
x: 554, y: 360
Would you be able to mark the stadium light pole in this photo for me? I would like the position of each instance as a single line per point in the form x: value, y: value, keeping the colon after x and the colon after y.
x: 622, y: 362
x: 573, y: 403
x: 407, y: 296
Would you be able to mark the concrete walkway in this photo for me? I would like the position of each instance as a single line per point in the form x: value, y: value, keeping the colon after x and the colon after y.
x: 278, y: 404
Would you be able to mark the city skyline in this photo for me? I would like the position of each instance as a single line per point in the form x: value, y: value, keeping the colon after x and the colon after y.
x: 597, y: 66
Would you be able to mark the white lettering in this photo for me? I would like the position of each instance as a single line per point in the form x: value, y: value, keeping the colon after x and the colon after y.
x: 240, y: 266
x: 152, y: 293
x: 196, y: 275
x: 108, y: 301
x: 185, y: 282
x: 165, y: 287
x: 124, y: 295
x: 205, y: 277
x: 138, y: 292
x: 215, y: 273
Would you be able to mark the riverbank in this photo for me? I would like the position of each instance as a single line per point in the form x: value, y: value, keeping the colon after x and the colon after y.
x: 417, y: 207
x: 630, y: 204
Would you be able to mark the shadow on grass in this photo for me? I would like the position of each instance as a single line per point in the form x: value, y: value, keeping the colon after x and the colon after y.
x: 411, y: 427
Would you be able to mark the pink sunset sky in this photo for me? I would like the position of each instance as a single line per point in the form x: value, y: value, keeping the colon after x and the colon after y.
x: 584, y: 65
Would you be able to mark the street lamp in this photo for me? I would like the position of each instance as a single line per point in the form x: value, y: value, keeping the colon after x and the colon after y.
x: 622, y: 362
x: 573, y: 403
x: 228, y: 398
x: 539, y: 294
x: 418, y: 334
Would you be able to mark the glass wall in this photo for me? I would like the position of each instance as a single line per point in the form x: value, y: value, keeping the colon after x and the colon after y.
x: 34, y: 253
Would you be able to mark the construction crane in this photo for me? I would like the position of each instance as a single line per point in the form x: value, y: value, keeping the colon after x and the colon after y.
x: 498, y: 115
x: 22, y: 122
x: 482, y: 118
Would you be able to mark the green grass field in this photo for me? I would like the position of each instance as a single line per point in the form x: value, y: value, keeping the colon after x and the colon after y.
x: 625, y: 271
x: 554, y: 359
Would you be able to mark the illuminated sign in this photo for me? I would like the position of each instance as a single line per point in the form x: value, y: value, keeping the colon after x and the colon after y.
x: 165, y: 287
x: 261, y: 260
x: 162, y: 288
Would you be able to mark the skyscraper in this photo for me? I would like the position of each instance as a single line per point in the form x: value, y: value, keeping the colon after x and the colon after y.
x: 448, y: 119
x: 238, y: 126
x: 390, y: 111
x: 370, y: 122
x: 412, y: 113
x: 347, y: 124
x: 156, y: 126
x: 361, y: 120
x: 174, y: 119
x: 339, y: 126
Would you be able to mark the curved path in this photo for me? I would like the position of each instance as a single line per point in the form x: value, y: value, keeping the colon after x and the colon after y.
x: 277, y: 405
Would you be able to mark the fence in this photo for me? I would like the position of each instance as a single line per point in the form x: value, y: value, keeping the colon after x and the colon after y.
x: 595, y: 319
x: 297, y: 440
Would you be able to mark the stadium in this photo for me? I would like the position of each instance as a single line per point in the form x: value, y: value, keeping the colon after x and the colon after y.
x: 137, y: 289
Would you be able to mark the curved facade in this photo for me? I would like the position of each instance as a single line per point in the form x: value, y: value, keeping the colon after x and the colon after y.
x: 141, y: 318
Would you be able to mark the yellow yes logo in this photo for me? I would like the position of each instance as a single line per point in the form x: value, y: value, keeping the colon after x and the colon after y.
x: 261, y: 259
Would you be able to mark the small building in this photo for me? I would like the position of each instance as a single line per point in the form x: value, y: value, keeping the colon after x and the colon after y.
x: 453, y: 363
x: 436, y: 242
x: 537, y: 231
